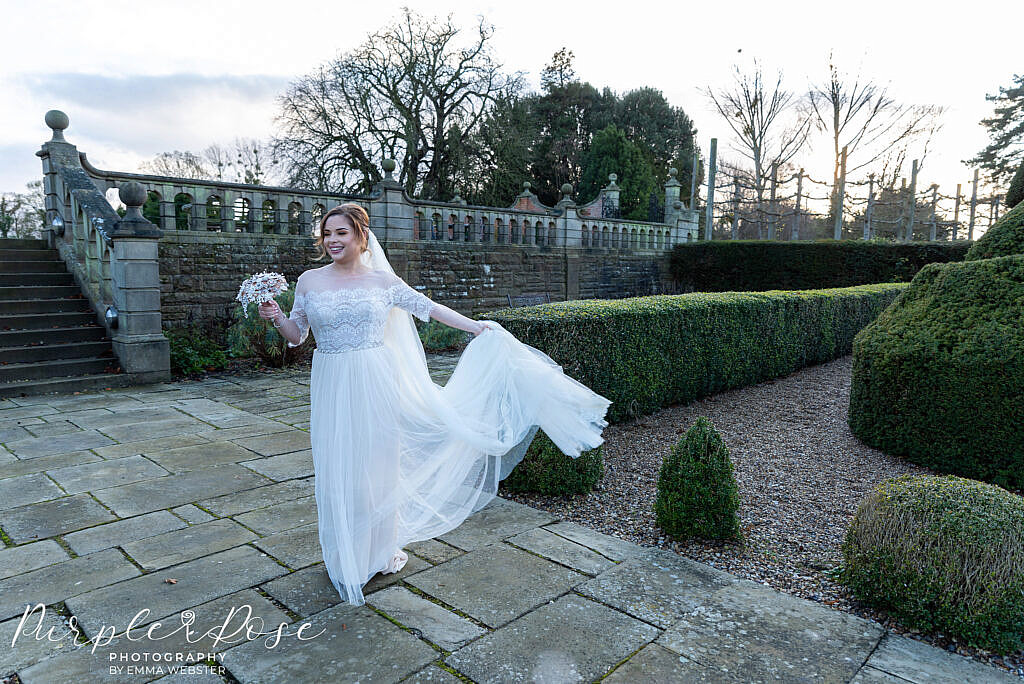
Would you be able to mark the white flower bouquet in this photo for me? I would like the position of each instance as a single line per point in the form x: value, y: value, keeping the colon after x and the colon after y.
x: 260, y: 288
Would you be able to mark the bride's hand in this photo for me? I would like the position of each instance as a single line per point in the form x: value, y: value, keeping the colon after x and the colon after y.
x: 484, y: 325
x: 269, y: 310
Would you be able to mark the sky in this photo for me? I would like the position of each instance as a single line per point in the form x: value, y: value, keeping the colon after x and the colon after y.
x: 137, y: 79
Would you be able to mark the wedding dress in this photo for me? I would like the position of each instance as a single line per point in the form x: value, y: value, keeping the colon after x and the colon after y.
x: 398, y: 458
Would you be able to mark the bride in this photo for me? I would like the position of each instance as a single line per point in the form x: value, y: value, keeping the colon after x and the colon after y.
x: 398, y: 459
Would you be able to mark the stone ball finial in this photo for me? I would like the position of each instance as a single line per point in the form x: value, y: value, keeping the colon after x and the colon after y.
x: 58, y: 121
x: 566, y: 188
x: 673, y: 171
x: 388, y: 165
x: 526, y: 186
x: 612, y: 178
x: 677, y: 205
x: 133, y: 194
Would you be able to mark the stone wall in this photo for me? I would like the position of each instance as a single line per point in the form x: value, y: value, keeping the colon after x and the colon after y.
x: 200, y: 272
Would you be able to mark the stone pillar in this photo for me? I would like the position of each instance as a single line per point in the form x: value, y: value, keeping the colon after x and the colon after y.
x: 392, y: 216
x: 672, y: 198
x: 138, y: 341
x: 54, y: 154
x: 610, y: 198
x: 570, y: 235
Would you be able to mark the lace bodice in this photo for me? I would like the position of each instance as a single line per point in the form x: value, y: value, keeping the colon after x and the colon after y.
x: 348, y: 318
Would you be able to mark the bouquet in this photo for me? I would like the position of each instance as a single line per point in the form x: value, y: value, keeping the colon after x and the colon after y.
x: 260, y: 288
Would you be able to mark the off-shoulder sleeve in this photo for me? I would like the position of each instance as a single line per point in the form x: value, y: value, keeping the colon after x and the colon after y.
x: 416, y: 303
x: 298, y: 314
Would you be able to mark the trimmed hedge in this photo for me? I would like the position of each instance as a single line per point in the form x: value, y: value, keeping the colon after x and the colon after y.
x: 942, y: 554
x: 648, y: 352
x: 1006, y: 237
x: 756, y: 266
x: 697, y: 492
x: 546, y: 470
x: 939, y: 377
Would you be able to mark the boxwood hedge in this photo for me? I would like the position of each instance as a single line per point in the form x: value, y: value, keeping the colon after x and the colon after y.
x: 939, y: 377
x: 649, y: 352
x: 755, y: 266
x: 1006, y: 237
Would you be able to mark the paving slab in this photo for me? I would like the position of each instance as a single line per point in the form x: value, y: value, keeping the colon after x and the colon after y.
x: 102, y: 419
x: 200, y: 456
x: 144, y: 446
x: 192, y: 514
x: 433, y: 675
x: 19, y: 559
x: 50, y: 518
x: 276, y: 443
x: 561, y: 550
x: 496, y: 584
x: 295, y: 548
x: 305, y: 591
x: 281, y: 517
x: 569, y: 640
x: 262, y: 427
x: 657, y: 586
x: 911, y: 660
x: 434, y: 551
x: 55, y: 428
x: 216, y: 413
x: 768, y: 635
x: 18, y: 467
x: 31, y: 644
x: 298, y: 464
x: 48, y: 446
x: 27, y: 489
x: 427, y: 620
x: 103, y: 474
x: 26, y: 412
x: 15, y: 433
x: 182, y: 488
x: 380, y: 581
x: 197, y: 582
x: 158, y: 428
x: 869, y: 675
x: 122, y: 531
x: 657, y: 665
x: 606, y: 545
x: 348, y: 649
x: 59, y: 581
x: 496, y: 521
x: 261, y: 497
x: 178, y: 546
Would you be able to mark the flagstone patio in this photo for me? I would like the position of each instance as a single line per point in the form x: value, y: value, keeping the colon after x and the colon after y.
x: 191, y: 499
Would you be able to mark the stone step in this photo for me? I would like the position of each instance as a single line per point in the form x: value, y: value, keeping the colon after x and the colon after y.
x: 23, y: 243
x: 38, y: 306
x: 29, y: 255
x: 42, y: 292
x: 37, y: 266
x: 59, y: 319
x: 56, y: 351
x: 63, y: 385
x: 60, y: 368
x: 24, y: 338
x: 50, y: 279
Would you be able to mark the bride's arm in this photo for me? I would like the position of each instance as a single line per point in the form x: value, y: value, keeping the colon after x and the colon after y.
x: 442, y: 313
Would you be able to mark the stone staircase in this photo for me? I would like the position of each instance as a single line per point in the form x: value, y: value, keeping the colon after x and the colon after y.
x: 49, y: 338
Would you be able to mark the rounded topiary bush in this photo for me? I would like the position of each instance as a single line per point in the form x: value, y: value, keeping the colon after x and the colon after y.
x: 942, y: 554
x: 546, y: 470
x: 697, y: 493
x: 1006, y: 237
x: 938, y: 377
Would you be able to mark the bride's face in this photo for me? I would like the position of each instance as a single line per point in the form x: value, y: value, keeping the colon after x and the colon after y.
x: 341, y: 240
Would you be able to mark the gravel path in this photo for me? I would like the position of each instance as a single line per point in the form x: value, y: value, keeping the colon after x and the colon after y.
x: 800, y: 472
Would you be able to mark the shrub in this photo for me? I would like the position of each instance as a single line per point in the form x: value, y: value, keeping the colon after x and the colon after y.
x: 697, y: 495
x: 436, y: 336
x: 758, y: 265
x: 939, y: 377
x: 1004, y: 238
x: 644, y: 353
x: 1015, y: 194
x: 546, y: 470
x: 942, y: 553
x: 192, y: 352
x: 252, y: 336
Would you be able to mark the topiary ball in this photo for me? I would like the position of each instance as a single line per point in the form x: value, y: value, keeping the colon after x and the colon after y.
x: 942, y: 553
x: 697, y: 493
x: 546, y: 470
x: 1004, y: 238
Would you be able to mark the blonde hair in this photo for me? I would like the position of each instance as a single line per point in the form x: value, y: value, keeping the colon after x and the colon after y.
x: 356, y: 215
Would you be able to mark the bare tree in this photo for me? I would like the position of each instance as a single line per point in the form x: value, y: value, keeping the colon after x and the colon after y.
x: 861, y: 116
x: 411, y: 92
x: 21, y: 213
x: 768, y: 122
x: 177, y: 165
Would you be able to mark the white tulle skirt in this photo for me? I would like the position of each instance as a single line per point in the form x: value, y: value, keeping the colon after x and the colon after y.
x: 400, y: 459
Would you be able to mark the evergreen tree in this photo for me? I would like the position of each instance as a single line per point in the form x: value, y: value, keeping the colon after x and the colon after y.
x: 612, y: 152
x: 1015, y: 195
x: 1006, y: 132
